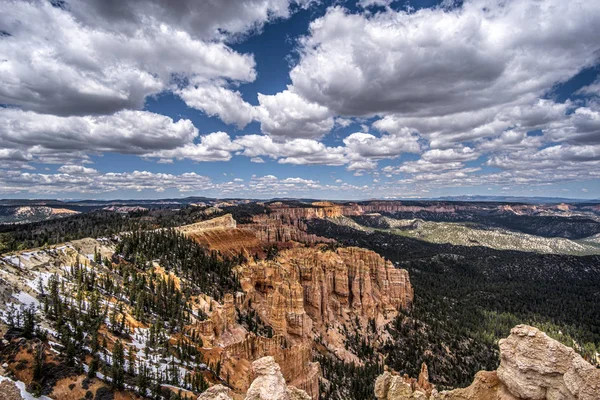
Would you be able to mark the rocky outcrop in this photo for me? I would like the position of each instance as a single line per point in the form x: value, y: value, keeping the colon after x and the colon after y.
x: 310, y: 287
x: 532, y: 367
x: 217, y: 392
x: 223, y: 222
x: 269, y: 383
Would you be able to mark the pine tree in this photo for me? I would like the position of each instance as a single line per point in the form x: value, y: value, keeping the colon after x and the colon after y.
x: 117, y: 372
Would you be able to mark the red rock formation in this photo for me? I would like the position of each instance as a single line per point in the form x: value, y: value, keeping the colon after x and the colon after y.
x: 313, y: 286
x: 223, y: 235
x: 280, y: 228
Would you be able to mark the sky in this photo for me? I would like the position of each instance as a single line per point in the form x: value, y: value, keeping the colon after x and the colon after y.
x: 103, y: 99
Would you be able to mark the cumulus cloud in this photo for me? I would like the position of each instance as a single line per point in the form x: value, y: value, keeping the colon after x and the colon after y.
x: 221, y: 20
x: 455, y: 84
x: 593, y: 89
x: 371, y: 3
x: 435, y: 62
x: 438, y: 156
x: 55, y: 63
x: 31, y: 135
x: 219, y: 101
x: 295, y: 151
x: 77, y: 180
x: 450, y: 130
x: 77, y: 170
x: 366, y: 145
x: 288, y: 115
x: 216, y: 146
x: 582, y: 126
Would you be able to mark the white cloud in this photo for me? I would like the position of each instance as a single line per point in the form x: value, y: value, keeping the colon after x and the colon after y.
x: 223, y: 19
x: 215, y: 100
x: 216, y: 146
x: 295, y: 151
x: 593, y: 89
x: 54, y: 63
x: 77, y: 170
x: 370, y: 146
x: 423, y: 63
x: 288, y: 115
x: 371, y: 3
x: 72, y: 179
x: 438, y: 156
x: 45, y: 137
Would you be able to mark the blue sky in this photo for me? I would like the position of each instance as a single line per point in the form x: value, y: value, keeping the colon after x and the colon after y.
x: 299, y: 98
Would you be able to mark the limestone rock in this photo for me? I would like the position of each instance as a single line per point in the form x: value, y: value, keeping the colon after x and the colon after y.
x: 486, y: 385
x: 532, y: 367
x: 395, y: 387
x: 282, y: 229
x: 293, y: 359
x: 423, y: 381
x: 535, y: 366
x: 307, y: 287
x: 217, y: 392
x: 270, y: 384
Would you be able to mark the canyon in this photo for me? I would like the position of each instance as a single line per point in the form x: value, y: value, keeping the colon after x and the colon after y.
x: 280, y: 307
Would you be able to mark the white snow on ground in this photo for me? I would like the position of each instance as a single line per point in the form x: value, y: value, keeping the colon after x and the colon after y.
x: 24, y: 393
x: 42, y: 277
x: 26, y: 299
x: 13, y: 260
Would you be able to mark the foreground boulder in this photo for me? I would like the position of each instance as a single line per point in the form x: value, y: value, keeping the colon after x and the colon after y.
x: 533, y: 366
x: 269, y: 384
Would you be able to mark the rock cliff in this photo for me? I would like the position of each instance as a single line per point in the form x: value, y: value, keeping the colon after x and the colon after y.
x: 317, y: 292
x: 280, y: 229
x: 303, y: 287
x: 223, y: 235
x: 533, y: 366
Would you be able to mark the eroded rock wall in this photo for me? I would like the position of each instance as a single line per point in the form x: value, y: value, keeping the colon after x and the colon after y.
x: 306, y: 288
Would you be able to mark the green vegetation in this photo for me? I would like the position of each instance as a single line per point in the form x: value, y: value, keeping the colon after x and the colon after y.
x: 94, y: 224
x: 183, y: 256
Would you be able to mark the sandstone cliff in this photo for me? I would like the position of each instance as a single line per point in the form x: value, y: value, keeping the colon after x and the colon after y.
x: 295, y: 362
x: 280, y: 228
x: 308, y: 292
x: 223, y: 235
x: 310, y: 286
x: 532, y: 367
